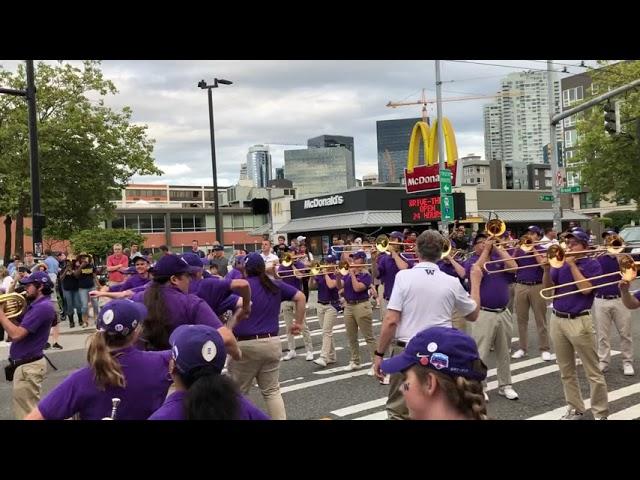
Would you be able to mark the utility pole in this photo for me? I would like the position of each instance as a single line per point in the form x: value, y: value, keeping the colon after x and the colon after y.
x: 441, y: 159
x: 553, y: 151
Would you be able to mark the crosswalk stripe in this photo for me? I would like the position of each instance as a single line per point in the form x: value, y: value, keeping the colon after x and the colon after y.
x: 350, y: 410
x: 374, y: 416
x: 315, y: 333
x: 630, y: 413
x: 321, y: 381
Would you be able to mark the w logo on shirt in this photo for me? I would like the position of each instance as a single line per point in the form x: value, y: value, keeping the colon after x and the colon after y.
x: 429, y: 272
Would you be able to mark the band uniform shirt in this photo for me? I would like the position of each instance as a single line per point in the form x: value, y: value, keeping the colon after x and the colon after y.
x: 234, y: 274
x: 531, y: 274
x: 147, y: 383
x: 216, y: 292
x: 426, y: 297
x: 135, y: 280
x: 494, y: 287
x: 578, y: 302
x: 609, y: 264
x: 350, y: 295
x: 173, y: 409
x: 37, y: 319
x: 112, y: 261
x: 326, y: 294
x: 292, y: 280
x: 387, y: 269
x: 265, y: 308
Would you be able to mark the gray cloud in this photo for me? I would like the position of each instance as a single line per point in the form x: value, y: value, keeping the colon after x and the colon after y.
x: 289, y: 101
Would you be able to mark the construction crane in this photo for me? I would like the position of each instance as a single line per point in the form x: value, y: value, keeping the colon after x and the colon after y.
x: 423, y: 101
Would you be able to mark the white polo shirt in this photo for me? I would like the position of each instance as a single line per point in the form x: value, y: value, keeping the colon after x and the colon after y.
x: 426, y: 297
x: 270, y: 260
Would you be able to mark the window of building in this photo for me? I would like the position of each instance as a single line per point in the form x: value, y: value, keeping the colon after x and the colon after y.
x: 570, y: 138
x: 481, y: 181
x: 572, y: 95
x: 586, y: 201
x: 181, y: 195
x: 477, y: 180
x: 141, y: 223
x: 547, y: 182
x: 570, y: 121
x: 187, y: 222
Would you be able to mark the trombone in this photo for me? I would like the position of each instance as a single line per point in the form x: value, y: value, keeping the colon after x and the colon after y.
x: 343, y: 267
x: 288, y: 259
x: 628, y: 272
x: 16, y: 304
x: 314, y: 269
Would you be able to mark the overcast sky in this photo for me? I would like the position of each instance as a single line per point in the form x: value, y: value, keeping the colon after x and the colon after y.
x: 289, y: 102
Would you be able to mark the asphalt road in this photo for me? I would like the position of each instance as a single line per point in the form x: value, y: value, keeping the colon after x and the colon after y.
x: 313, y: 392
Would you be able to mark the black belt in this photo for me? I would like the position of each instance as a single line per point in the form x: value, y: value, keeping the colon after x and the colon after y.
x: 400, y: 343
x: 241, y: 338
x: 493, y: 310
x: 324, y: 303
x: 608, y: 297
x: 570, y: 315
x: 24, y: 361
x: 356, y: 302
x: 528, y: 283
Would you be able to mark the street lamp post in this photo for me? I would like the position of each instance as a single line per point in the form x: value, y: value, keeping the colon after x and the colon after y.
x: 219, y: 227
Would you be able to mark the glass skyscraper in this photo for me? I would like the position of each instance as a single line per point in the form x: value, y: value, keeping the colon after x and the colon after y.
x: 393, y: 148
x: 259, y: 165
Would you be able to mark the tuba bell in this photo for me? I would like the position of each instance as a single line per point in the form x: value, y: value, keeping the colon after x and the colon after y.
x: 14, y: 304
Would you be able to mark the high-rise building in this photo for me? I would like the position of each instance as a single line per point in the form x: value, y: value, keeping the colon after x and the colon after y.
x: 280, y: 173
x: 259, y: 165
x: 243, y: 171
x: 393, y: 148
x: 324, y: 141
x: 370, y: 179
x: 317, y: 171
x: 492, y: 131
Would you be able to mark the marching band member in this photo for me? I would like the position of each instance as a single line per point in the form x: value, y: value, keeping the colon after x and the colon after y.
x: 630, y: 300
x: 527, y: 295
x: 608, y: 308
x: 28, y: 338
x: 137, y: 279
x: 202, y: 392
x: 328, y: 305
x: 442, y: 375
x: 292, y: 275
x: 116, y: 370
x: 169, y: 305
x: 451, y: 267
x: 494, y: 324
x: 388, y: 266
x: 271, y: 260
x: 258, y: 335
x: 238, y: 268
x: 358, y: 313
x: 572, y: 328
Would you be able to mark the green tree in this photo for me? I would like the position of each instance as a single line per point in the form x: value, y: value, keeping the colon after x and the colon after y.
x: 99, y: 241
x: 621, y: 218
x: 609, y: 164
x: 88, y: 151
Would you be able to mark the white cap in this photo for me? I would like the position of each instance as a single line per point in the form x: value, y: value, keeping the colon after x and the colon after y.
x: 358, y: 240
x: 301, y: 238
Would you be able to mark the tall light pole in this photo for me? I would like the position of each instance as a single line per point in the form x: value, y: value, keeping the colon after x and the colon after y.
x: 439, y: 126
x: 219, y: 227
x: 553, y: 151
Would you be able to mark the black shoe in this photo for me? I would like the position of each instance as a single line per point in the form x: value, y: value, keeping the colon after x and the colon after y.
x: 72, y: 325
x: 57, y: 346
x: 47, y: 346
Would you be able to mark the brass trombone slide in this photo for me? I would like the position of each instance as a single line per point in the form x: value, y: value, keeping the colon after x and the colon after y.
x: 628, y: 272
x: 343, y: 267
x: 314, y: 269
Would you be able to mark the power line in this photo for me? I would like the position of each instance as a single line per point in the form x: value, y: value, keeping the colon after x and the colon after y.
x: 508, y: 66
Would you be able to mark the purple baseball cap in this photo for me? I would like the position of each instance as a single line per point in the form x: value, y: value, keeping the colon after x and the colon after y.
x: 240, y: 259
x: 396, y: 234
x: 446, y: 350
x: 193, y: 259
x: 535, y: 229
x: 37, y: 277
x: 195, y: 346
x: 579, y: 235
x: 358, y: 255
x: 609, y: 232
x: 330, y: 259
x: 173, y: 265
x: 121, y: 317
x: 254, y: 261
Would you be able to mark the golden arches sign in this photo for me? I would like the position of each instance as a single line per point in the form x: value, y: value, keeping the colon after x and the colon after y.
x: 428, y: 136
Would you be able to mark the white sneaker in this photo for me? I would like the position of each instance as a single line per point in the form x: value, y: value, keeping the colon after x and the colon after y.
x: 572, y: 414
x: 371, y: 372
x: 508, y: 392
x: 628, y: 369
x: 386, y: 380
x: 309, y: 356
x: 290, y: 354
x: 519, y: 354
x: 320, y: 361
x: 353, y: 366
x: 547, y: 356
x: 486, y: 397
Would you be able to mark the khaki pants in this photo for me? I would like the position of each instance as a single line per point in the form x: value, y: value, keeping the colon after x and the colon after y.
x: 261, y: 360
x: 27, y: 387
x: 359, y: 316
x: 495, y: 329
x: 396, y: 406
x: 512, y: 296
x: 576, y: 335
x: 327, y: 316
x: 606, y: 312
x: 458, y: 321
x: 528, y: 296
x: 288, y: 312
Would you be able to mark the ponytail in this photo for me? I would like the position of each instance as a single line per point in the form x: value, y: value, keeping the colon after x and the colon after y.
x: 156, y: 324
x: 106, y: 369
x: 210, y: 396
x: 265, y: 281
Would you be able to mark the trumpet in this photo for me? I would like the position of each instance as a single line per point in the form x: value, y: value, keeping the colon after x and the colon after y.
x: 314, y: 269
x: 628, y: 272
x: 343, y: 267
x: 288, y: 259
x: 114, y: 406
x: 16, y: 304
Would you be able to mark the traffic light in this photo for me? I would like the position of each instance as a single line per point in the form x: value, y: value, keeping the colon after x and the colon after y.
x: 612, y: 118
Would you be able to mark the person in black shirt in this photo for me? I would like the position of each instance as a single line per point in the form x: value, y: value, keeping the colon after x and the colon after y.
x: 281, y: 247
x: 196, y: 250
x: 86, y: 275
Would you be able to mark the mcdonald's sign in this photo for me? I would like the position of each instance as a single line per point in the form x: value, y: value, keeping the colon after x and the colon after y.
x: 420, y: 178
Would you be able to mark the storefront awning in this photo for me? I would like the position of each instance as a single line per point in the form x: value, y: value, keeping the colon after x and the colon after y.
x: 531, y: 216
x: 378, y: 218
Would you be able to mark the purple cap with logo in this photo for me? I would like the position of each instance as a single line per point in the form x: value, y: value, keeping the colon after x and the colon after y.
x: 193, y: 259
x: 579, y: 235
x: 254, y: 261
x: 535, y: 229
x: 37, y: 277
x: 396, y: 234
x: 121, y: 317
x: 330, y: 259
x: 173, y: 265
x: 446, y: 350
x: 358, y: 255
x: 240, y: 259
x: 195, y: 346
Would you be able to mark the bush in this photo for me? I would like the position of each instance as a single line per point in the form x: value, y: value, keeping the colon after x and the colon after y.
x: 623, y: 217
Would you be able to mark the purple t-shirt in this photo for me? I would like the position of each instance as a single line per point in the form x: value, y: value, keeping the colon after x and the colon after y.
x: 265, y: 308
x: 577, y: 302
x: 447, y: 267
x: 292, y: 280
x: 387, y: 270
x: 608, y: 264
x: 350, y: 294
x: 216, y: 292
x: 173, y: 409
x: 130, y: 283
x: 326, y: 294
x: 147, y: 382
x: 494, y: 288
x: 234, y: 274
x: 37, y: 319
x: 532, y: 274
